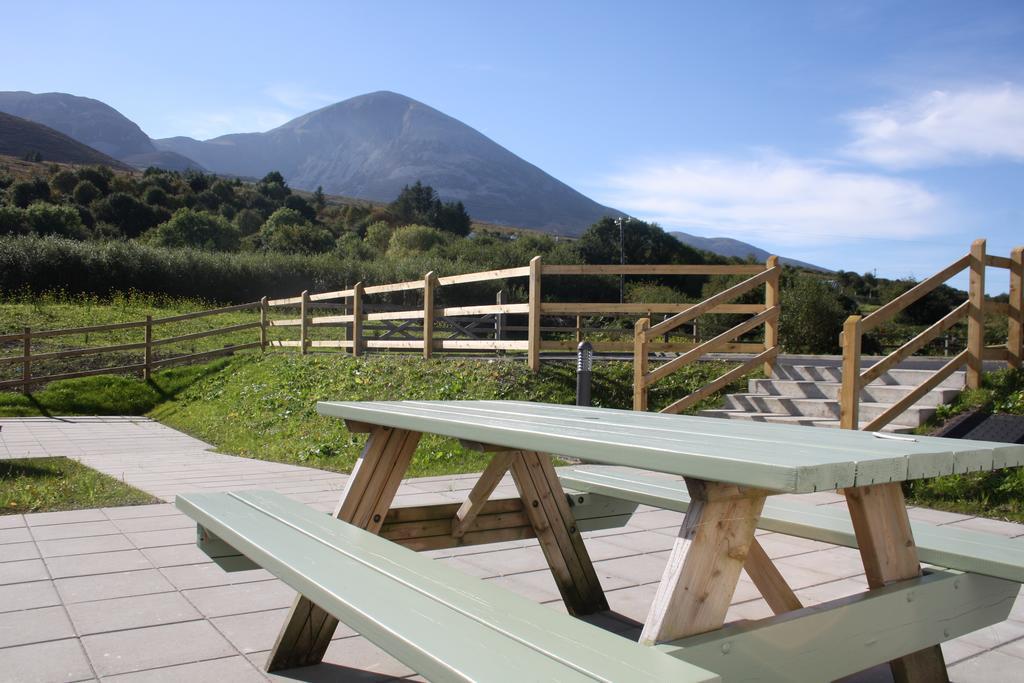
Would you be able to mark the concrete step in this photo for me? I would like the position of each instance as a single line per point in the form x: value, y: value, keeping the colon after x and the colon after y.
x: 794, y: 420
x: 820, y: 408
x: 873, y: 393
x: 833, y: 373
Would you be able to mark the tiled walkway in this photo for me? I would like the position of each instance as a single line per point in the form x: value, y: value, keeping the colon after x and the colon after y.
x: 122, y: 594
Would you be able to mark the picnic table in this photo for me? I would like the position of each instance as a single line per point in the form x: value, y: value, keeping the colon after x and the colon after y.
x: 450, y: 627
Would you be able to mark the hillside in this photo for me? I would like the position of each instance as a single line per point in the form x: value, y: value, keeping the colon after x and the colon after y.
x: 727, y: 246
x: 19, y: 137
x: 95, y: 124
x: 372, y: 145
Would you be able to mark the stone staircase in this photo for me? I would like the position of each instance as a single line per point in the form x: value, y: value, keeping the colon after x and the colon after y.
x: 809, y: 395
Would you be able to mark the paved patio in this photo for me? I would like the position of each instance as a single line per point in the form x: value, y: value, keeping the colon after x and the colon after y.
x: 122, y: 594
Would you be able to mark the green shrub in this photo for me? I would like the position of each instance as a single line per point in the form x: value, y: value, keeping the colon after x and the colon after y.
x: 86, y: 192
x: 188, y: 228
x: 51, y: 219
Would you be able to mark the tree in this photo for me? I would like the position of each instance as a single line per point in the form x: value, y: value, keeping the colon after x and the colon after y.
x: 27, y: 191
x: 319, y: 201
x: 287, y: 231
x: 272, y: 186
x: 64, y: 181
x: 13, y: 221
x: 297, y: 203
x: 50, y: 219
x: 416, y: 239
x: 100, y: 176
x: 812, y: 315
x: 127, y: 213
x: 189, y: 228
x: 85, y: 192
x: 155, y: 196
x: 249, y: 221
x: 418, y: 204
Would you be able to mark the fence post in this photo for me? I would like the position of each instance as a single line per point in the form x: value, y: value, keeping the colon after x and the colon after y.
x: 304, y: 322
x: 849, y: 392
x: 357, y: 319
x: 499, y: 319
x: 428, y: 314
x: 263, y: 324
x: 147, y: 371
x: 26, y: 365
x: 579, y: 329
x: 1015, y: 333
x: 771, y: 326
x: 976, y: 315
x: 640, y: 359
x: 534, y: 326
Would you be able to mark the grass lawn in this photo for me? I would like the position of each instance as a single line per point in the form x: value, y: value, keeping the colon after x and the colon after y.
x: 45, y: 484
x: 264, y: 405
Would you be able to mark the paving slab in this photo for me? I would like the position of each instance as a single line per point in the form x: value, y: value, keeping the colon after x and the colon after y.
x: 34, y: 626
x: 156, y: 646
x: 60, y: 660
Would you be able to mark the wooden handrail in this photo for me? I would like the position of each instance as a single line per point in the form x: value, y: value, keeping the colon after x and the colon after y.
x: 893, y: 411
x: 914, y: 345
x: 891, y: 309
x: 711, y: 302
x: 722, y: 381
x: 659, y: 269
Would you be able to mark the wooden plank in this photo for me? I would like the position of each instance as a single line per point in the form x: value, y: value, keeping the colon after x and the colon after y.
x: 202, y: 314
x: 428, y: 314
x: 499, y: 274
x: 976, y: 315
x: 36, y: 379
x: 889, y: 554
x: 263, y: 323
x: 996, y: 353
x: 330, y: 344
x: 711, y: 302
x: 358, y: 343
x: 841, y: 637
x: 914, y: 345
x: 369, y: 490
x: 26, y: 365
x: 148, y: 355
x: 325, y: 296
x: 996, y: 308
x: 397, y: 600
x: 206, y: 333
x: 534, y: 335
x: 896, y: 409
x: 481, y: 310
x: 396, y: 287
x: 483, y: 344
x: 711, y: 345
x: 659, y: 269
x: 283, y: 343
x: 720, y: 382
x: 43, y: 334
x: 287, y: 322
x: 944, y: 546
x: 994, y: 261
x: 849, y: 392
x: 1015, y: 326
x: 769, y: 581
x: 481, y: 492
x: 560, y: 539
x: 889, y: 310
x: 627, y: 346
x: 704, y: 566
x: 330, y: 319
x: 371, y: 343
x: 579, y: 308
x: 641, y: 360
x: 771, y: 300
x: 71, y: 353
x: 225, y: 351
x: 285, y: 302
x: 304, y: 323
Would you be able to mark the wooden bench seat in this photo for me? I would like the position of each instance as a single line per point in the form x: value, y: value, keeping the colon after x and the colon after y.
x: 944, y: 546
x: 439, y: 622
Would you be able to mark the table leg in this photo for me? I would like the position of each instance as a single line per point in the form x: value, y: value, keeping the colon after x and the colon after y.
x: 548, y: 510
x: 365, y: 502
x: 704, y: 567
x: 887, y: 548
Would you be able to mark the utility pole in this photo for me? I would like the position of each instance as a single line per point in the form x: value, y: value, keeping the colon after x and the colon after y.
x: 622, y: 260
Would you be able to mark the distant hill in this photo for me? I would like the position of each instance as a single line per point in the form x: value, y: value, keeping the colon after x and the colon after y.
x: 727, y: 246
x: 95, y: 124
x: 19, y: 137
x: 372, y: 145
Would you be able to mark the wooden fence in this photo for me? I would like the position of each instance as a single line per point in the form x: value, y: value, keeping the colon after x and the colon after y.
x: 364, y: 324
x: 148, y: 346
x: 974, y: 310
x: 765, y: 314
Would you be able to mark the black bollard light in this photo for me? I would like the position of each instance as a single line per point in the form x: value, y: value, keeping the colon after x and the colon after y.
x: 584, y: 366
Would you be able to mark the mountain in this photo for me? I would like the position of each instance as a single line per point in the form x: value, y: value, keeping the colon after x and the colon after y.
x: 373, y: 145
x: 19, y: 137
x: 95, y: 124
x: 726, y: 246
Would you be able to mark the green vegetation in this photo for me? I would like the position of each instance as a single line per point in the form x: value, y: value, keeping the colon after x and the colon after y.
x: 992, y: 494
x: 264, y: 405
x: 45, y: 484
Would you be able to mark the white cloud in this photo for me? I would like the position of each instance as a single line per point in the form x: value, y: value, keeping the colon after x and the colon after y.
x: 942, y: 127
x: 210, y: 124
x: 775, y: 200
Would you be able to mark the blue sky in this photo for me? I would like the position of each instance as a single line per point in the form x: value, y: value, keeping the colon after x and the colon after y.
x: 863, y: 136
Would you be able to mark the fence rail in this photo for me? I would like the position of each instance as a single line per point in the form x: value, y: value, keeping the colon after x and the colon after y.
x: 974, y: 309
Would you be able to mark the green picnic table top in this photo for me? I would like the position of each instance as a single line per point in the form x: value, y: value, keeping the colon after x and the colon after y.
x: 783, y: 458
